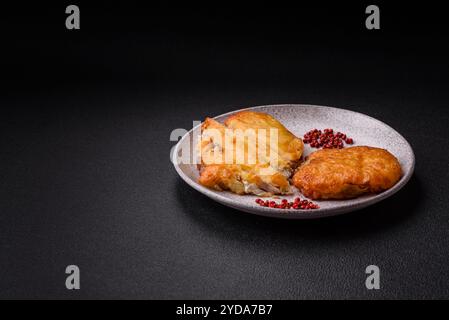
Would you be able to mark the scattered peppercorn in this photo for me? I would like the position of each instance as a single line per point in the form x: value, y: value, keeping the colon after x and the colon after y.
x: 326, y: 139
x: 285, y: 204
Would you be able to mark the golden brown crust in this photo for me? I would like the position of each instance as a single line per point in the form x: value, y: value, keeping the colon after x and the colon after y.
x: 290, y: 147
x: 264, y: 176
x: 347, y: 173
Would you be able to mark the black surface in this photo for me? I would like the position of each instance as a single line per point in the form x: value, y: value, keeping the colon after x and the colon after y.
x: 85, y: 175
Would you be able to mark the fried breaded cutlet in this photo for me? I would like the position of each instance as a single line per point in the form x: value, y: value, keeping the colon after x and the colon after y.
x: 232, y: 166
x: 347, y: 173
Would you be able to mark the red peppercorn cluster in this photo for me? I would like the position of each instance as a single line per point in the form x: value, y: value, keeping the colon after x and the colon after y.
x: 285, y: 204
x: 326, y: 139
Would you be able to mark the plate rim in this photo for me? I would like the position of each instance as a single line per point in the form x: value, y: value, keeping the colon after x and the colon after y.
x: 297, y: 214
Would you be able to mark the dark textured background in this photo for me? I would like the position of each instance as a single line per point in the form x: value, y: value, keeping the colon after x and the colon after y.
x: 85, y: 176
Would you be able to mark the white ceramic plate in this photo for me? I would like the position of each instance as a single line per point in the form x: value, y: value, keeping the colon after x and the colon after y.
x: 299, y: 119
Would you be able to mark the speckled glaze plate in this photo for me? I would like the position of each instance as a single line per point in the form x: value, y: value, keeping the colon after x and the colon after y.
x: 299, y: 119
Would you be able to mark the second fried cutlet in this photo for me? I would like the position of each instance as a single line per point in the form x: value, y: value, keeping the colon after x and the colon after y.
x: 347, y: 173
